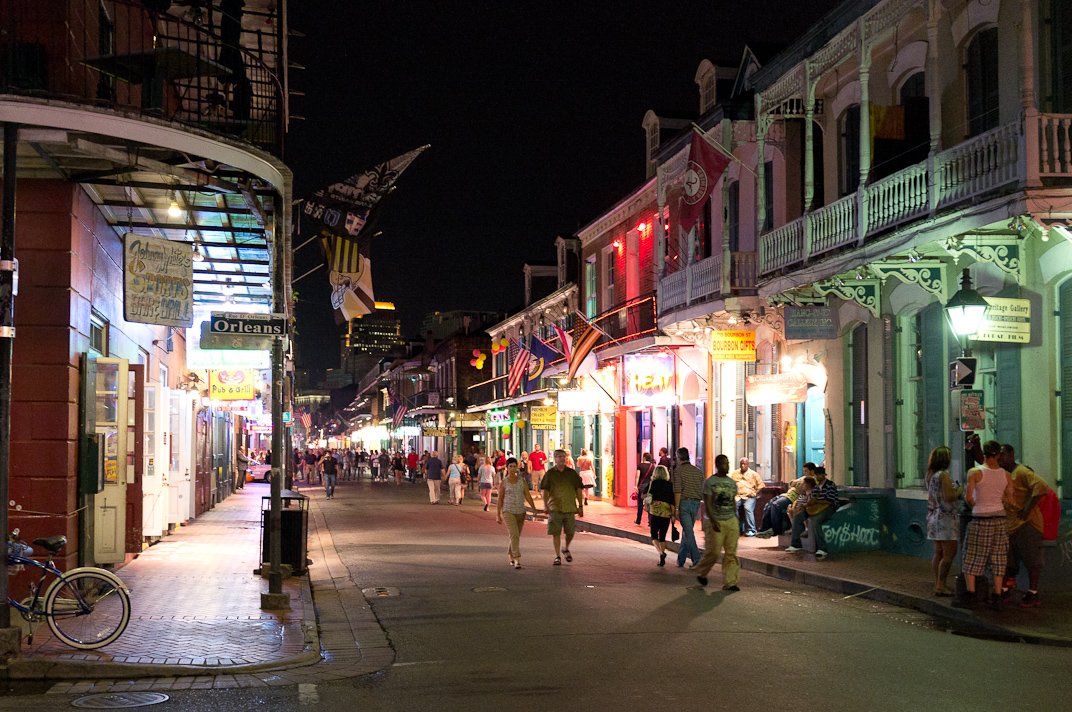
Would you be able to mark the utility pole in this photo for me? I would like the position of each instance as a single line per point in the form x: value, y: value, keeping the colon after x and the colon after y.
x: 9, y: 643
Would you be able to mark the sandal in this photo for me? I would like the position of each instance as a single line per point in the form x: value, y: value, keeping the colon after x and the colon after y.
x: 517, y: 564
x: 568, y: 556
x: 557, y: 561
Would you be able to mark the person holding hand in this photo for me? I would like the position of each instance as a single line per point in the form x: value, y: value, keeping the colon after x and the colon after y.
x: 513, y: 494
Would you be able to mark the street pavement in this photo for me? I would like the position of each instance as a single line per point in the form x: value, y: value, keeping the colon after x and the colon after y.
x: 451, y: 626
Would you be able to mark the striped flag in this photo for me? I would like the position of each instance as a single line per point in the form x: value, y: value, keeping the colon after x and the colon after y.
x: 305, y: 418
x: 518, y: 367
x: 400, y: 408
x: 583, y: 346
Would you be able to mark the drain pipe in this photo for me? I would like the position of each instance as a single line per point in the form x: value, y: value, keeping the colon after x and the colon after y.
x: 7, y: 337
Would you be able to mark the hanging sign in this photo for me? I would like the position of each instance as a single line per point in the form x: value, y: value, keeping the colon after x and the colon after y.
x: 649, y: 380
x: 158, y: 281
x: 543, y: 417
x: 437, y: 432
x: 972, y: 412
x: 232, y: 385
x: 776, y: 388
x: 248, y: 324
x: 502, y: 416
x: 733, y: 346
x: 1007, y: 320
x: 810, y: 323
x: 578, y: 401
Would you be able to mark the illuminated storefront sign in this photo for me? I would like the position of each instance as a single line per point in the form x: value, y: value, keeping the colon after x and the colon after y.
x: 578, y: 401
x: 543, y: 418
x: 649, y: 379
x: 503, y: 416
x: 733, y: 346
x: 232, y: 385
x: 776, y: 388
x: 437, y: 432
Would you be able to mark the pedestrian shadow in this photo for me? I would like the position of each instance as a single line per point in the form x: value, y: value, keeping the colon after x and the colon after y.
x: 676, y: 615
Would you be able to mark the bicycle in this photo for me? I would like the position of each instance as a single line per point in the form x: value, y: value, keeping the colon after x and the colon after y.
x: 87, y: 608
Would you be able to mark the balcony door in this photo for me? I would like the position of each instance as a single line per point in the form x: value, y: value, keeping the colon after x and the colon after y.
x: 632, y: 265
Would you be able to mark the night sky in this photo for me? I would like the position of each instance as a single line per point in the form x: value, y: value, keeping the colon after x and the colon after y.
x: 533, y: 111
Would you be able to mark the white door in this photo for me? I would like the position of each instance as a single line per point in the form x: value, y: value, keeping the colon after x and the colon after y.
x: 179, y: 482
x: 110, y: 504
x: 154, y: 493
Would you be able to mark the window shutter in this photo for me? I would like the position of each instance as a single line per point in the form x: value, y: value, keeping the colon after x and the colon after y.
x: 934, y: 386
x: 982, y: 76
x: 1066, y: 375
x: 852, y: 149
x: 733, y: 210
x: 1007, y: 389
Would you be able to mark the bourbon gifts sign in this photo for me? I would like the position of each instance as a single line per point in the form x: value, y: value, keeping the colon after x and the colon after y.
x: 158, y: 281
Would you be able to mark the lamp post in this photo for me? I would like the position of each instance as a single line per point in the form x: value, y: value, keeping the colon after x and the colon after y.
x: 965, y: 311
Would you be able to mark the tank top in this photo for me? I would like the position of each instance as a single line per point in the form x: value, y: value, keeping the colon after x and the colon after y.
x: 988, y: 493
x: 514, y: 496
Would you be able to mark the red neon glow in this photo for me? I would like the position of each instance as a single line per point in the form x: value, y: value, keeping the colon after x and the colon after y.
x: 617, y: 243
x: 642, y: 227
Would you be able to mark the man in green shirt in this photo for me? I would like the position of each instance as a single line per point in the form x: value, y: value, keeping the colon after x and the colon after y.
x: 721, y: 527
x: 563, y: 500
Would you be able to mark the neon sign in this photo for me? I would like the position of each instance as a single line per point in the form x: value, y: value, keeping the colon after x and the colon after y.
x: 649, y: 379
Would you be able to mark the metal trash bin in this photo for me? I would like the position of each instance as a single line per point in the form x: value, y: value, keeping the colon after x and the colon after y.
x: 293, y: 530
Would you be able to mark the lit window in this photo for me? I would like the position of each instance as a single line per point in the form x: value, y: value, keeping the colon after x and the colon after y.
x: 98, y: 333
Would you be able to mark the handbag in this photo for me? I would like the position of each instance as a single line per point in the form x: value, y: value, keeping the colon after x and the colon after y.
x: 674, y: 533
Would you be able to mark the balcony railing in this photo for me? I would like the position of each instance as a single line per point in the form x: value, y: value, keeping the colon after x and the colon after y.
x: 981, y: 164
x: 199, y: 68
x: 633, y: 320
x: 434, y: 398
x: 488, y: 391
x: 1055, y: 147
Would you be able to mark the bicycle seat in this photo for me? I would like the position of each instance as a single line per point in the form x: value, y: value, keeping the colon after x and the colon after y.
x: 53, y: 544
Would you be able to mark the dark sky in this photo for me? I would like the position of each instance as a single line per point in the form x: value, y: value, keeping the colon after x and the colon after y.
x: 533, y: 111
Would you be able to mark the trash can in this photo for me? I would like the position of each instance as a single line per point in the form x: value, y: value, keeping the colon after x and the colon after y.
x: 293, y: 530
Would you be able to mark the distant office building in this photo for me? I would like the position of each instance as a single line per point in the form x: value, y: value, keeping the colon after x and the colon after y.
x: 443, y: 324
x: 368, y: 339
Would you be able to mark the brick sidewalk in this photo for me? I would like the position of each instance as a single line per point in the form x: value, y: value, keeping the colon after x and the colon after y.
x: 195, y: 599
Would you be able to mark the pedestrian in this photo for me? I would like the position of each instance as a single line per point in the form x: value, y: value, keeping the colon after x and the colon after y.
x: 385, y: 464
x: 721, y: 528
x: 398, y: 464
x: 664, y: 459
x: 538, y: 464
x: 433, y: 475
x: 749, y: 485
x: 374, y: 465
x: 329, y: 465
x: 411, y: 465
x: 470, y: 461
x: 660, y: 509
x: 821, y: 504
x: 1025, y: 526
x: 988, y: 492
x: 942, y: 497
x: 587, y: 469
x: 310, y: 465
x: 563, y: 498
x: 513, y: 494
x: 643, y: 476
x: 524, y: 468
x: 487, y: 476
x: 688, y: 481
x: 242, y: 464
x: 456, y: 479
x: 776, y: 519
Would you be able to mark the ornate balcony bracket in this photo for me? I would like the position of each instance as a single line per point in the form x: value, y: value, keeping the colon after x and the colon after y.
x: 804, y: 297
x: 928, y: 274
x: 1004, y: 252
x: 865, y: 292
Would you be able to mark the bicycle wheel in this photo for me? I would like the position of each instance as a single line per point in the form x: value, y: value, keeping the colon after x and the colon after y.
x: 87, y: 610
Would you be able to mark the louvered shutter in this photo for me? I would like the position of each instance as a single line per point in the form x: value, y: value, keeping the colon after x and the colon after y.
x: 1066, y: 378
x: 1007, y: 388
x: 933, y: 384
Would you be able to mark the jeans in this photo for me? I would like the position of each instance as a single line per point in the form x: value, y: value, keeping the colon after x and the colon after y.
x: 329, y: 484
x: 748, y: 523
x: 774, y: 515
x: 641, y: 492
x: 816, y: 526
x: 725, y: 538
x: 686, y: 514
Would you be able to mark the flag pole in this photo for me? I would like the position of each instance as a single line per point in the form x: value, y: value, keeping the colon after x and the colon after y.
x: 722, y: 149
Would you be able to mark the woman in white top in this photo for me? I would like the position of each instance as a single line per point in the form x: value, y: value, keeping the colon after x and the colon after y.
x: 487, y: 481
x: 989, y: 489
x: 587, y: 470
x: 513, y: 494
x: 455, y: 479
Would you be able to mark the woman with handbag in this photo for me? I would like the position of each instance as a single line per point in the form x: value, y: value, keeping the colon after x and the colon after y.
x: 659, y: 501
x: 643, y: 477
x: 456, y: 479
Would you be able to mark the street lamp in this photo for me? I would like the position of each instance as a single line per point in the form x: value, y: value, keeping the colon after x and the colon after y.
x: 965, y: 310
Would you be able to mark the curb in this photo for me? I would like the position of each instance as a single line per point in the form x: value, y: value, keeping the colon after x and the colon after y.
x: 35, y: 669
x: 963, y: 620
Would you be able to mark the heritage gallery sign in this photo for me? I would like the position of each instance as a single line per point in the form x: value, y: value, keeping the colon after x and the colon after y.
x: 733, y: 346
x: 649, y: 379
x: 1007, y: 320
x: 158, y: 281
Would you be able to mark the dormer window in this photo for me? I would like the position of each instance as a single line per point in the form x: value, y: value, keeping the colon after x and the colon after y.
x: 651, y: 131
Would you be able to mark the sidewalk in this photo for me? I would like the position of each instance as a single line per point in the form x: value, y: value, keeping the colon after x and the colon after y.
x: 904, y: 581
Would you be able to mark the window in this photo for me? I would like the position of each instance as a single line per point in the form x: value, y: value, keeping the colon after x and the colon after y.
x: 733, y: 215
x: 163, y: 375
x: 982, y: 76
x: 1061, y: 27
x: 768, y: 196
x: 915, y: 87
x: 850, y: 150
x: 705, y: 231
x: 608, y: 277
x: 707, y: 93
x: 590, y: 307
x: 98, y: 333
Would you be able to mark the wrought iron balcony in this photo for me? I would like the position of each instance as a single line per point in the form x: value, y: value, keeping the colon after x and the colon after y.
x: 633, y: 320
x: 189, y: 64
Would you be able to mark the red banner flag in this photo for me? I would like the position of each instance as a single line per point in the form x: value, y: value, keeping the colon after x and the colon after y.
x: 705, y: 167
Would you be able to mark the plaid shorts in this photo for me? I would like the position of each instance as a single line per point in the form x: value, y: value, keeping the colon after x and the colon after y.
x: 987, y: 542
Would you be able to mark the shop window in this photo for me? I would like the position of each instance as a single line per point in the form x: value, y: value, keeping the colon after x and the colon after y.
x: 982, y: 79
x: 98, y: 334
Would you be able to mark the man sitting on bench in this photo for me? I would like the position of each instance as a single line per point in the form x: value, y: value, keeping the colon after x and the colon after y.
x: 821, y: 505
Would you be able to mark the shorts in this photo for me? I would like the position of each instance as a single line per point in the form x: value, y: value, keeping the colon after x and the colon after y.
x: 988, y: 542
x: 557, y: 521
x: 1025, y: 546
x: 485, y: 486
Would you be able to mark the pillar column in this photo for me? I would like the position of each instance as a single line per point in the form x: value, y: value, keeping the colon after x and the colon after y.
x: 1027, y: 95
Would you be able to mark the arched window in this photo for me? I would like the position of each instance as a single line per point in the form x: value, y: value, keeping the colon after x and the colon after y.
x: 915, y: 87
x: 982, y: 79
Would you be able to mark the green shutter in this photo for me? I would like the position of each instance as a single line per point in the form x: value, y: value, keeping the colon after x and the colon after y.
x: 1066, y: 379
x: 934, y: 385
x: 1008, y: 392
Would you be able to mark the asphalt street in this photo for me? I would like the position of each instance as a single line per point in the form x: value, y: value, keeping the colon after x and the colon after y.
x: 612, y: 631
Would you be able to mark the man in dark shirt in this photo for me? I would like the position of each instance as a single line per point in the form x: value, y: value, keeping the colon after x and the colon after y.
x: 470, y: 462
x: 329, y: 465
x: 821, y: 505
x: 433, y: 474
x: 563, y: 500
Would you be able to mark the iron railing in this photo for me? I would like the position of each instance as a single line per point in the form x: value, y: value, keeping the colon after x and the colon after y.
x: 633, y: 320
x: 189, y: 63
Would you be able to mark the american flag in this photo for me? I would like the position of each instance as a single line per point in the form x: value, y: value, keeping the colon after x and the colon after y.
x: 519, y: 366
x: 305, y: 418
x: 399, y: 404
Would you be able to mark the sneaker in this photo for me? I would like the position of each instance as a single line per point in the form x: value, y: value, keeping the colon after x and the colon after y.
x: 732, y: 589
x: 997, y: 603
x: 702, y: 580
x: 765, y: 534
x: 1031, y: 599
x: 791, y: 549
x: 820, y: 554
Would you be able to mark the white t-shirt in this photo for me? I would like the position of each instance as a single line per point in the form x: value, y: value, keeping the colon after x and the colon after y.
x: 487, y: 475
